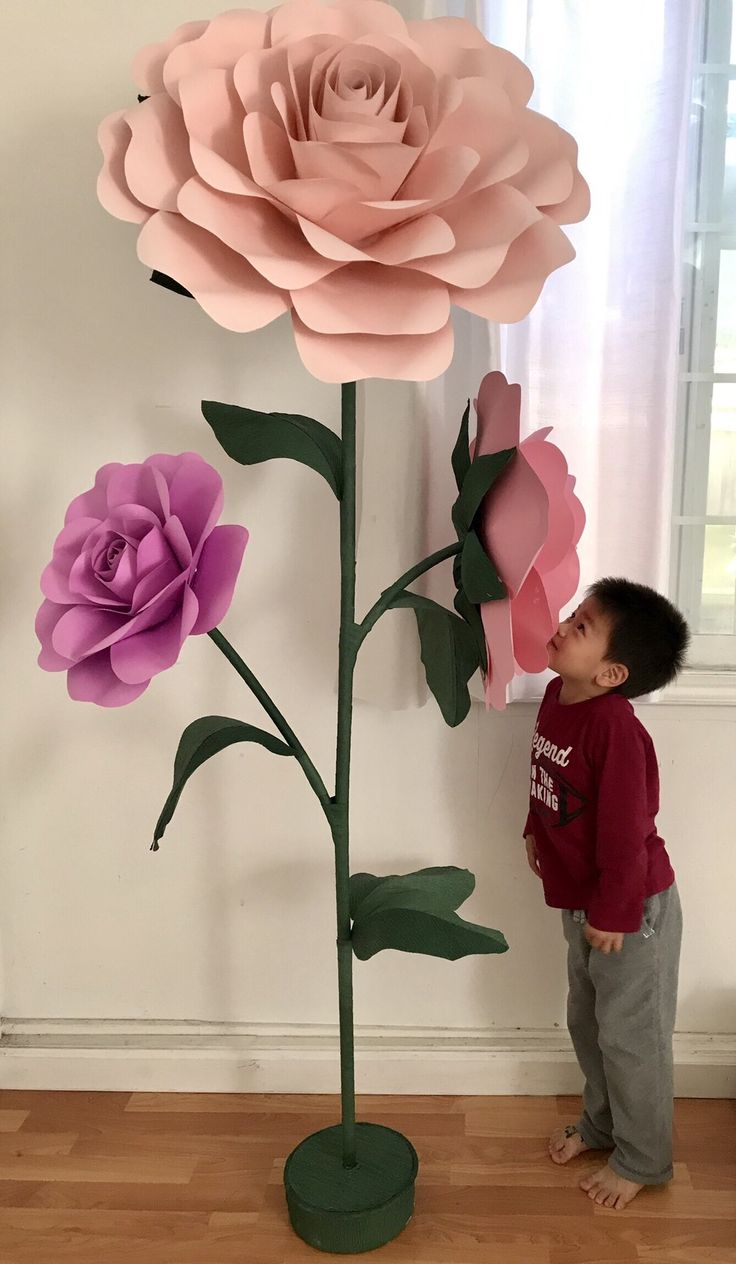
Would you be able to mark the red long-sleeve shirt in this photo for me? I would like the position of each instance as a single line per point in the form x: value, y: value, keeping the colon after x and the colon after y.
x: 594, y: 797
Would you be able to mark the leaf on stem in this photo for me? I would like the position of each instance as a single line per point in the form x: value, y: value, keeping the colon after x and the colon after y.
x: 201, y: 740
x: 415, y: 912
x: 461, y: 451
x: 481, y: 476
x: 449, y: 654
x: 478, y: 576
x: 250, y: 437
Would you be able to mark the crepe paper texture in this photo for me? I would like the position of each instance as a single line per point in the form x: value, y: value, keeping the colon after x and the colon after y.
x: 139, y: 566
x: 529, y: 523
x: 357, y: 171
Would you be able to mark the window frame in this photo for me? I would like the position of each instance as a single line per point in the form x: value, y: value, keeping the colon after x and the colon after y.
x: 703, y: 240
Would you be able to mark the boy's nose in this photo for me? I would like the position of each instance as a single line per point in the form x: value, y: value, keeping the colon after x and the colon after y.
x: 562, y: 630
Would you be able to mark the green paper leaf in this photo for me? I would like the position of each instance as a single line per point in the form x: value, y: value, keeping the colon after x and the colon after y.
x: 251, y: 437
x: 443, y: 888
x: 449, y: 654
x: 461, y: 451
x: 481, y: 476
x: 201, y: 740
x: 471, y: 615
x: 479, y: 577
x: 415, y: 912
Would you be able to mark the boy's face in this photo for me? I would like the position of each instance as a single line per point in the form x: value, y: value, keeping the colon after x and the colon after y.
x: 578, y: 650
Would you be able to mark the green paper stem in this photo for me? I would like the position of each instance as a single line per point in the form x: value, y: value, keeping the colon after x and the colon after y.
x: 269, y: 706
x: 384, y: 601
x: 340, y: 820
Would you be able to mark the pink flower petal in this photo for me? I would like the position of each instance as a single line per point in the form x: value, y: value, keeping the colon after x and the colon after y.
x: 456, y: 47
x: 157, y: 160
x: 498, y: 406
x: 224, y: 284
x: 550, y: 467
x: 149, y: 62
x: 483, y: 227
x: 220, y: 45
x: 136, y: 659
x: 516, y: 287
x: 350, y: 357
x: 217, y: 573
x: 93, y: 680
x: 46, y: 620
x: 259, y: 232
x: 513, y: 522
x: 267, y: 149
x: 532, y: 624
x: 213, y: 117
x: 113, y: 191
x: 350, y: 18
x: 496, y: 617
x: 370, y: 299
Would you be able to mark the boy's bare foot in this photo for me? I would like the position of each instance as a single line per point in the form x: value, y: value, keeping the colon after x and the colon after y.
x: 608, y: 1189
x: 565, y: 1144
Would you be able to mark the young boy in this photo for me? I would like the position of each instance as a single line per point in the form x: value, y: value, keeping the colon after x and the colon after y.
x: 590, y: 836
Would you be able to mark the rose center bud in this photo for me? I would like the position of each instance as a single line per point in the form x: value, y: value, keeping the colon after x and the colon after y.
x: 107, y: 558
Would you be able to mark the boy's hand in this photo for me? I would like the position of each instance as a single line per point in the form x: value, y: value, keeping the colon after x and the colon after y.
x: 531, y: 855
x: 604, y: 940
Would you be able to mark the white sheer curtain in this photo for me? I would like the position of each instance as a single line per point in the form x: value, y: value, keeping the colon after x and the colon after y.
x: 597, y: 357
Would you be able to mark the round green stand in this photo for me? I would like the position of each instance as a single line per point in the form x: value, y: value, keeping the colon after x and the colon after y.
x: 347, y: 1210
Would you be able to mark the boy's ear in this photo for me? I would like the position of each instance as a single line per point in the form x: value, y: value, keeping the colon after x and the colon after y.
x: 612, y: 675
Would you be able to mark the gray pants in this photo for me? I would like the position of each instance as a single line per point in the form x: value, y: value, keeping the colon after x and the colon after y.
x: 621, y: 1016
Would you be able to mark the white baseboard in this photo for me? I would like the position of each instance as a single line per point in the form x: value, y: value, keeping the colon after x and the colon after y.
x: 160, y: 1056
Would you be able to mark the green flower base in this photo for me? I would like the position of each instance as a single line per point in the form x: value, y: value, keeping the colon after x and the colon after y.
x: 347, y: 1210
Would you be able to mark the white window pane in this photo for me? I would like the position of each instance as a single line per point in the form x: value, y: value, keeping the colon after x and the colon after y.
x: 722, y: 462
x: 725, y: 359
x: 718, y: 605
x: 728, y: 212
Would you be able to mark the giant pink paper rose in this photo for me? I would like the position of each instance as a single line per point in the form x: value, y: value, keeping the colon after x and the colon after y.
x: 137, y: 568
x: 530, y: 523
x: 358, y: 171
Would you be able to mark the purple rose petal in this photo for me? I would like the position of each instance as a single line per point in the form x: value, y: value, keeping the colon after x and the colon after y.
x: 217, y: 573
x: 93, y: 680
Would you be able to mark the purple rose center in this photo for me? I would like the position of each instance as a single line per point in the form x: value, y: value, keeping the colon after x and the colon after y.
x: 108, y: 554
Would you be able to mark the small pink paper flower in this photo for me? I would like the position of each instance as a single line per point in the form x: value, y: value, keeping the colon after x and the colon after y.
x: 138, y: 567
x: 362, y: 173
x: 530, y: 524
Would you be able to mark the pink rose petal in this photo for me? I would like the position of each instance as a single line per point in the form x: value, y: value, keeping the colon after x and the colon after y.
x: 157, y: 160
x: 496, y: 617
x: 515, y: 289
x: 351, y: 357
x: 224, y: 284
x: 219, y: 46
x: 368, y: 298
x: 149, y: 62
x: 532, y: 624
x: 114, y: 136
x: 255, y: 229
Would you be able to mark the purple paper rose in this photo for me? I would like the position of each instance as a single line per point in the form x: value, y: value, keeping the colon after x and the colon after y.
x: 138, y: 567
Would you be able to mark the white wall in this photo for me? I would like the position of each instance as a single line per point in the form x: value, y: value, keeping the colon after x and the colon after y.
x: 233, y: 921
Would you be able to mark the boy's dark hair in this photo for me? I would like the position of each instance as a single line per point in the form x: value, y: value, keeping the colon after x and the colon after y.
x: 648, y: 634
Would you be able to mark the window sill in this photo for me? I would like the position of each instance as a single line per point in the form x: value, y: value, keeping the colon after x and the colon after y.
x: 698, y: 687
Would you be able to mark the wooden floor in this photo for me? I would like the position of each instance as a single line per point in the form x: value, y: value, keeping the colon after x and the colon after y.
x: 106, y: 1178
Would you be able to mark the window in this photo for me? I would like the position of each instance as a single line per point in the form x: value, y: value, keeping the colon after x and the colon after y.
x: 704, y: 521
